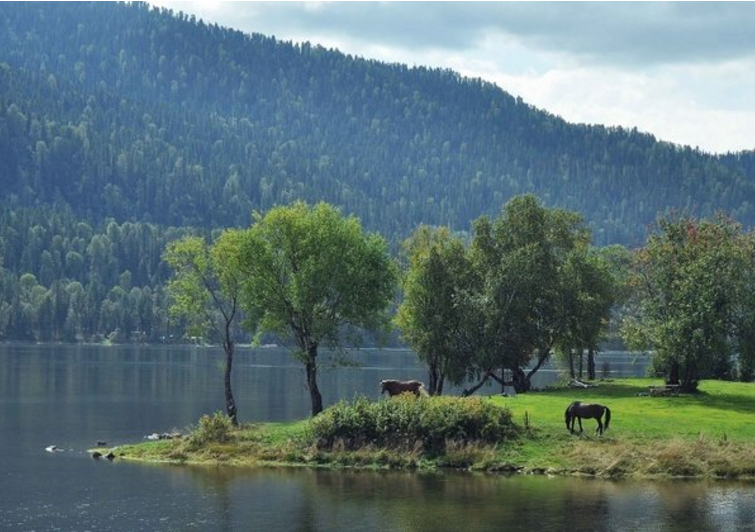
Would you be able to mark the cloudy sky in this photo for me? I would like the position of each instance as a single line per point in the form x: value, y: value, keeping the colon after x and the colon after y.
x: 684, y: 72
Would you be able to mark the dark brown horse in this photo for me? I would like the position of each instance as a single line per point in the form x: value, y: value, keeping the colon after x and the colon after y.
x: 577, y: 411
x: 394, y: 387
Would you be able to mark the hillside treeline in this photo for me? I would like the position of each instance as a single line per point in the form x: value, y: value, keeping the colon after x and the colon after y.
x: 122, y: 126
x: 64, y: 280
x: 128, y: 112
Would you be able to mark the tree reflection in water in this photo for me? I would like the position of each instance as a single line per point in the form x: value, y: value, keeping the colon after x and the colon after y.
x: 318, y: 500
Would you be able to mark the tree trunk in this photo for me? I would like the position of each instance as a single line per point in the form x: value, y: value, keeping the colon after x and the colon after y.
x: 314, y: 391
x: 433, y: 380
x: 523, y: 381
x: 473, y: 389
x: 570, y: 357
x: 500, y: 380
x: 673, y: 377
x: 591, y: 364
x: 520, y: 380
x: 230, y: 404
x: 580, y: 353
x: 689, y: 383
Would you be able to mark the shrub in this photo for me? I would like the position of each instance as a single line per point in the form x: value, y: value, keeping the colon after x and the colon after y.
x: 217, y: 428
x: 406, y: 422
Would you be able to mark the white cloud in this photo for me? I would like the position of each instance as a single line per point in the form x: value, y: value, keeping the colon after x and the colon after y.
x: 657, y: 103
x: 672, y: 105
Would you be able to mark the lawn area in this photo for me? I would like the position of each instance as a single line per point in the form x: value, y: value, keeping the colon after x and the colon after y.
x: 709, y: 434
x: 718, y: 410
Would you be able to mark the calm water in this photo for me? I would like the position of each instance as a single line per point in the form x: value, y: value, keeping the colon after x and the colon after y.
x: 74, y: 396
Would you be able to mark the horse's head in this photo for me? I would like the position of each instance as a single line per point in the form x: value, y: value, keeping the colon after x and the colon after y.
x: 568, y: 415
x: 383, y: 387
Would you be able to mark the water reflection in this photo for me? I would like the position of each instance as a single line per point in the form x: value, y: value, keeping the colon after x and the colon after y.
x: 315, y: 500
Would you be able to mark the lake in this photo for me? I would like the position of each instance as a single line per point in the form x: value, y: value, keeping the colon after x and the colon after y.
x: 72, y: 396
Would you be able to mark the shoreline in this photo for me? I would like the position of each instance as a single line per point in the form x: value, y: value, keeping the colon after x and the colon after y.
x: 708, y: 435
x: 611, y: 467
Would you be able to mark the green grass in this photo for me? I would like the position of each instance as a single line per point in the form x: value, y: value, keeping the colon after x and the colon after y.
x: 719, y: 409
x: 708, y: 434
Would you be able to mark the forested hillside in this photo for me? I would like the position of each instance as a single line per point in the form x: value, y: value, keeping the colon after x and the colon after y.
x: 64, y: 280
x: 129, y: 112
x: 124, y: 116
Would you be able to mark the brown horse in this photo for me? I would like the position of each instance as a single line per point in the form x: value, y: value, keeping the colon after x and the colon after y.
x: 577, y: 411
x: 394, y: 387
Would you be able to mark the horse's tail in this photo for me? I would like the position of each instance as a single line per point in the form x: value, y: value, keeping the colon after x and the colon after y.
x: 608, y: 417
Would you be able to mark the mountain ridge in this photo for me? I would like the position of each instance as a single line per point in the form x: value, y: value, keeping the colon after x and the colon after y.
x: 142, y: 114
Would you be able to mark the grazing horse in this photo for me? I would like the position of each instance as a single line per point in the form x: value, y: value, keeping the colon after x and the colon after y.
x: 394, y: 387
x: 577, y: 411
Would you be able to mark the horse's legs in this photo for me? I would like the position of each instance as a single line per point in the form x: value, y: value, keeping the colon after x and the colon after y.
x: 599, y: 430
x: 580, y: 423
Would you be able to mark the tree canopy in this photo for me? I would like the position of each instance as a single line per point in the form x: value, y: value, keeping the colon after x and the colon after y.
x: 693, y: 305
x: 521, y: 257
x: 528, y: 283
x: 430, y: 314
x: 313, y: 276
x: 205, y: 290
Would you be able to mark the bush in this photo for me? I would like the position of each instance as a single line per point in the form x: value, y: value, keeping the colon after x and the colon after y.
x: 406, y: 422
x: 216, y: 428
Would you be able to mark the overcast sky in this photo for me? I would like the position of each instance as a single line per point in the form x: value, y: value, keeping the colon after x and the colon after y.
x: 684, y: 72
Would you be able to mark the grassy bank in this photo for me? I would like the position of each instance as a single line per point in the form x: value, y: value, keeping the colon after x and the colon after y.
x: 708, y: 434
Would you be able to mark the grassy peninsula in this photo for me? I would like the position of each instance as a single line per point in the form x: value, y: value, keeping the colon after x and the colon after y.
x: 710, y: 434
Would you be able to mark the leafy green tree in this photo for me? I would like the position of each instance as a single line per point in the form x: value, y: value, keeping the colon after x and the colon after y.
x: 692, y: 307
x: 589, y: 293
x: 516, y: 315
x: 313, y: 276
x: 744, y: 329
x: 430, y: 315
x: 205, y: 289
